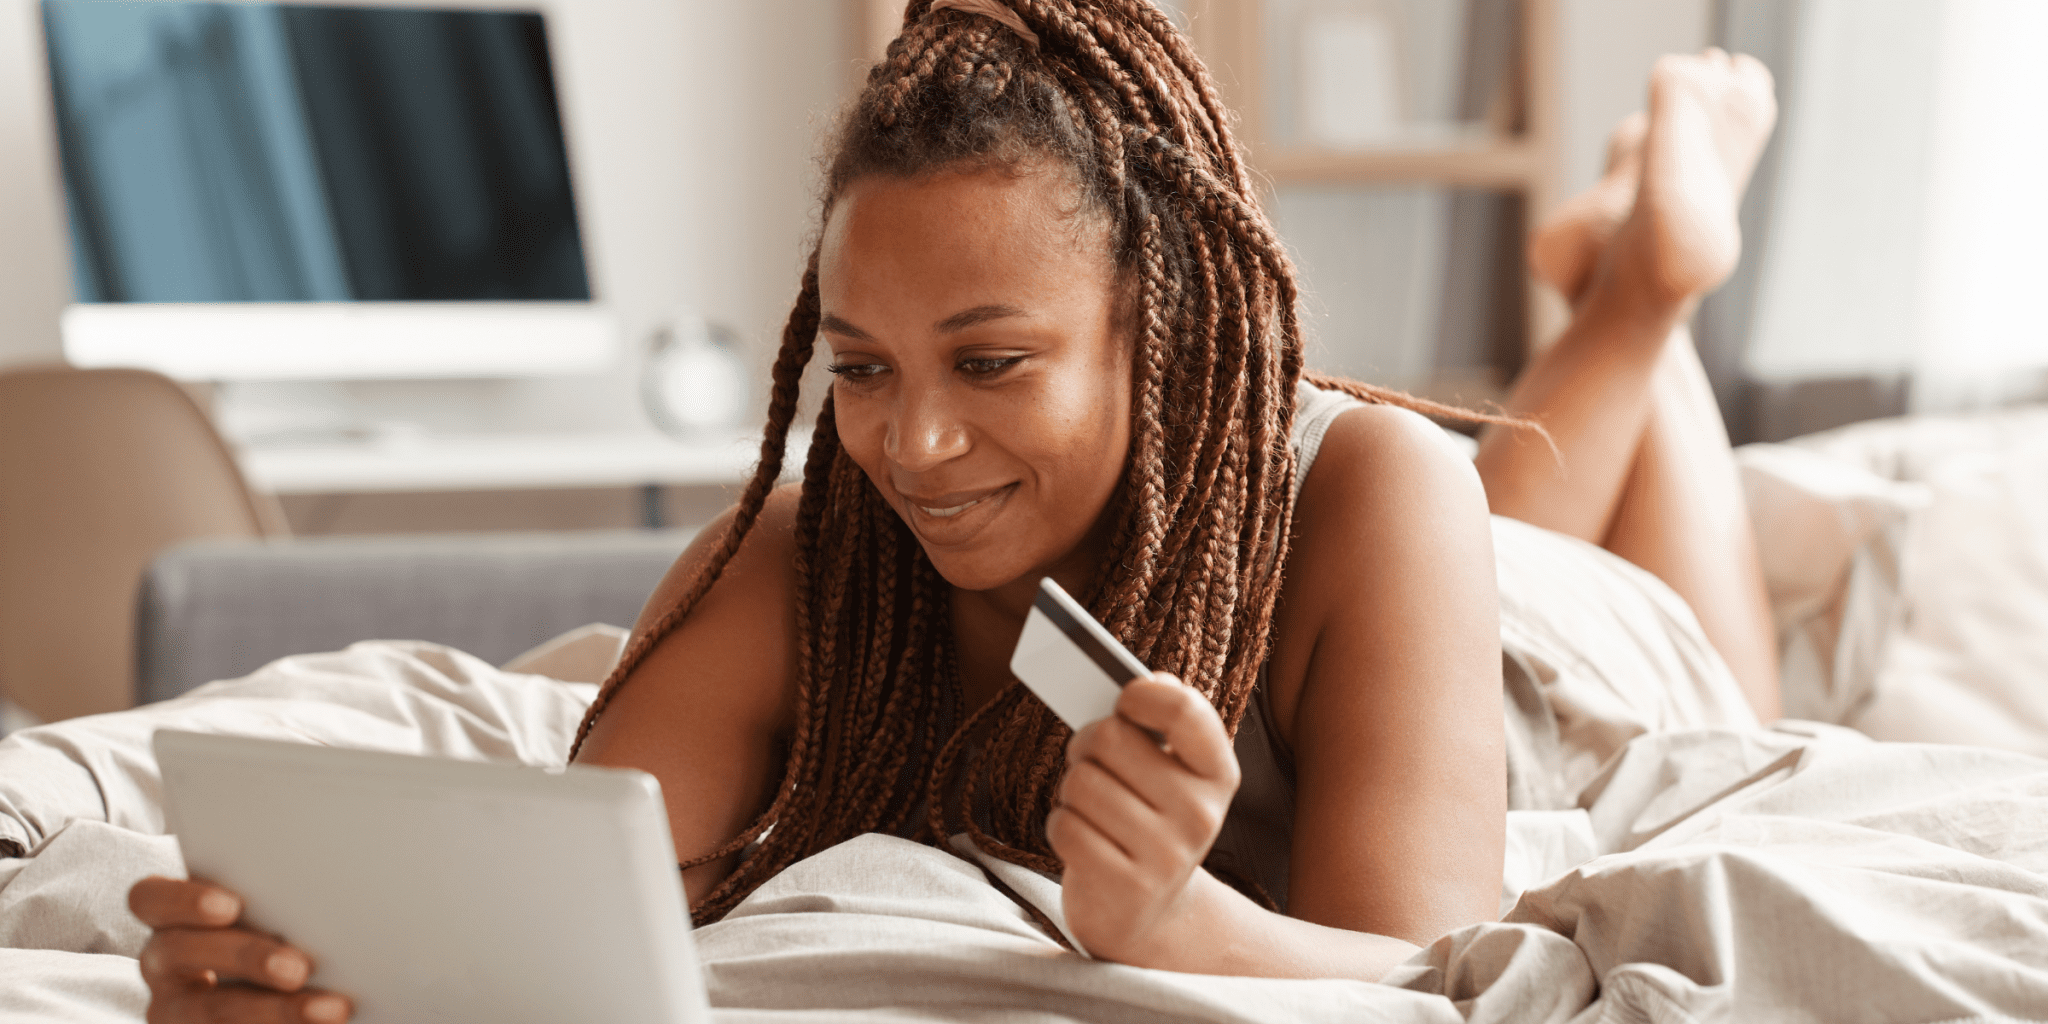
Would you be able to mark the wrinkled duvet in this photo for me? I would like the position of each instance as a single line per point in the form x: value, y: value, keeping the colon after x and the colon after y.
x: 1742, y: 874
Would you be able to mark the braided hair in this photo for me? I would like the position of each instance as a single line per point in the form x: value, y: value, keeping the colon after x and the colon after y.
x: 1115, y: 94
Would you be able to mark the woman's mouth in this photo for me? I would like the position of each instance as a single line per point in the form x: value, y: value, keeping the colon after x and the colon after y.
x: 948, y: 513
x: 954, y: 517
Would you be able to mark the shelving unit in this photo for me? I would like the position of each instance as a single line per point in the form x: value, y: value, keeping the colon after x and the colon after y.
x: 1516, y: 150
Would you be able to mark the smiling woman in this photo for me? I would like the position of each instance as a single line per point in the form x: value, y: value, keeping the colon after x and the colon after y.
x: 987, y: 397
x: 1064, y: 343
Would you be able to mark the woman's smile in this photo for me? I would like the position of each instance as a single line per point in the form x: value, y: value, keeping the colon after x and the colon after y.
x: 955, y: 518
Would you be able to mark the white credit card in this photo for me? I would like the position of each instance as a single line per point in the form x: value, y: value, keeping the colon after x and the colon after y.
x: 1069, y: 660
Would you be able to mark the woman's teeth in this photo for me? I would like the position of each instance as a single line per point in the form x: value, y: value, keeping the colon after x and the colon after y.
x: 943, y: 513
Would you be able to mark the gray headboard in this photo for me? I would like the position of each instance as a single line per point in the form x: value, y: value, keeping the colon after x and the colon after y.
x: 222, y: 609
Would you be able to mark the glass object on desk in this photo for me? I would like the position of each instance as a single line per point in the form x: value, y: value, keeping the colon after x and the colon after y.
x: 1413, y: 287
x: 694, y: 382
x: 1365, y: 74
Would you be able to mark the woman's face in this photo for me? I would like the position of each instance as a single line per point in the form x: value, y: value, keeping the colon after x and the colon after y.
x: 982, y: 382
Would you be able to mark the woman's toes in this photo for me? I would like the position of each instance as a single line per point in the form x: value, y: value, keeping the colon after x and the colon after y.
x: 1625, y: 144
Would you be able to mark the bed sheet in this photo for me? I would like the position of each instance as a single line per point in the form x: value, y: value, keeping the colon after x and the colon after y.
x: 1967, y: 661
x: 1716, y: 874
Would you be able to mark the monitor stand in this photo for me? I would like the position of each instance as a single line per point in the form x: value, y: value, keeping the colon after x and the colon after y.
x: 286, y: 414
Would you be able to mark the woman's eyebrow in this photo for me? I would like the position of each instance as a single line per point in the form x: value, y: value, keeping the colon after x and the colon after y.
x: 837, y: 325
x: 977, y: 315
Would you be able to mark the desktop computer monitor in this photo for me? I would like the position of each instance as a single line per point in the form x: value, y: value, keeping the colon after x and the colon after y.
x: 278, y: 191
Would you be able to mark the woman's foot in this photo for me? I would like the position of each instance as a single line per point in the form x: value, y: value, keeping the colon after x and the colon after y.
x: 1709, y: 118
x: 1566, y: 248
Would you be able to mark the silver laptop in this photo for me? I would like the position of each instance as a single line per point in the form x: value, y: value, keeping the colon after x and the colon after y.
x: 437, y: 890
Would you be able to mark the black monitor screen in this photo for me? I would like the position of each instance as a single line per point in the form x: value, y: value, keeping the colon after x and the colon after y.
x: 224, y: 152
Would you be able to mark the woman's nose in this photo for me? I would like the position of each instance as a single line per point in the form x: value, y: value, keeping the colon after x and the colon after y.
x: 924, y: 433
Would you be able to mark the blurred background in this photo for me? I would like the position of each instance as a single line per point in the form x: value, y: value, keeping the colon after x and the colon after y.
x: 279, y: 283
x: 1406, y: 139
x: 665, y: 149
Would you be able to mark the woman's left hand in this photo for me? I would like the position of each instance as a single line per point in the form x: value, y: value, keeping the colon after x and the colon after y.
x: 1135, y: 819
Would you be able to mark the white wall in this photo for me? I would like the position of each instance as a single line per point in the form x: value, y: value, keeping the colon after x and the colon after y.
x: 1907, y: 222
x: 35, y: 280
x: 1608, y: 47
x: 1838, y: 294
x: 690, y: 126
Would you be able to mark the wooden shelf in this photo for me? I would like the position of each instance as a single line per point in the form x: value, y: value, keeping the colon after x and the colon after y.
x: 1511, y: 166
x: 1473, y: 387
x: 1230, y: 34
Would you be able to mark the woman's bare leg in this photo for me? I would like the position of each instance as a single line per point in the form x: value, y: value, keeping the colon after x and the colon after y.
x: 1682, y: 516
x: 1642, y: 464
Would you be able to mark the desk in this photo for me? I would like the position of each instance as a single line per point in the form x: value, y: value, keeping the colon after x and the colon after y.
x: 478, y: 462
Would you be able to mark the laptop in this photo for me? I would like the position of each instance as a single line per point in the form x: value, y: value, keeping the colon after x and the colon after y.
x: 433, y: 890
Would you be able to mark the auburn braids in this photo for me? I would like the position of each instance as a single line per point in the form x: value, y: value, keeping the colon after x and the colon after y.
x: 1114, y: 97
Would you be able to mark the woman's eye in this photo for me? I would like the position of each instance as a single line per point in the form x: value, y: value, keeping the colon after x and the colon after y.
x: 989, y: 367
x: 855, y: 371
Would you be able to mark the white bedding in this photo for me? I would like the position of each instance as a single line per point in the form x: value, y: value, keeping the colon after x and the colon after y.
x: 1968, y: 659
x: 1728, y: 872
x: 1741, y: 875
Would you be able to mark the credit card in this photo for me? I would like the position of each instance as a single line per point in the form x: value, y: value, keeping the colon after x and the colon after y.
x: 1073, y: 664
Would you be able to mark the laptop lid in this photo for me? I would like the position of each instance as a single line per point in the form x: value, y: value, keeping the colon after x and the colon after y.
x: 436, y: 890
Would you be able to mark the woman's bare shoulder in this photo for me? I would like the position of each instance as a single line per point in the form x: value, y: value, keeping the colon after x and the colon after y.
x: 1389, y: 503
x: 762, y: 570
x: 729, y: 658
x: 706, y: 709
x: 1386, y: 682
x: 1382, y: 465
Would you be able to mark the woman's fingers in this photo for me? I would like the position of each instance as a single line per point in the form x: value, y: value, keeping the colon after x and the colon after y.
x: 195, y: 948
x: 251, y: 1006
x: 1075, y: 838
x: 177, y: 903
x: 178, y: 955
x: 1109, y: 804
x: 1192, y: 729
x: 1132, y: 755
x: 1163, y: 812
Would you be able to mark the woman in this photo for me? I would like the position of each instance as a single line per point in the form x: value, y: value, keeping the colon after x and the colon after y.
x: 1065, y: 344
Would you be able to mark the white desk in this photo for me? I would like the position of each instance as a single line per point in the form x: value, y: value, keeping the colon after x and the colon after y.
x: 477, y: 462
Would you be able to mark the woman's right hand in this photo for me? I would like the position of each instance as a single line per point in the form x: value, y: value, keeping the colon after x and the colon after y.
x: 200, y: 967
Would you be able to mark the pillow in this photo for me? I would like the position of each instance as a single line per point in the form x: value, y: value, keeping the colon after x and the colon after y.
x: 1970, y: 663
x: 1831, y: 536
x: 585, y: 654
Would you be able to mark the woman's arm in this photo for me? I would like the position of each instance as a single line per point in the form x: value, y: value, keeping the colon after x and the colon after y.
x: 1394, y: 713
x: 703, y: 712
x: 1386, y: 683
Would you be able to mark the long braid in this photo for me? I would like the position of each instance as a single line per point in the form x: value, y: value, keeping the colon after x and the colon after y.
x: 1201, y: 518
x: 799, y: 337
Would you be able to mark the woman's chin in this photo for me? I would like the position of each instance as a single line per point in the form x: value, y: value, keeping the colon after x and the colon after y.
x: 975, y: 571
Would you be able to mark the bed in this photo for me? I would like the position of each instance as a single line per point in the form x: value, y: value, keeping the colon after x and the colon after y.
x: 1687, y: 864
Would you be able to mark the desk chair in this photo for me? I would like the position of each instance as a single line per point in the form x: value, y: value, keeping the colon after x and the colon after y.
x: 99, y: 470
